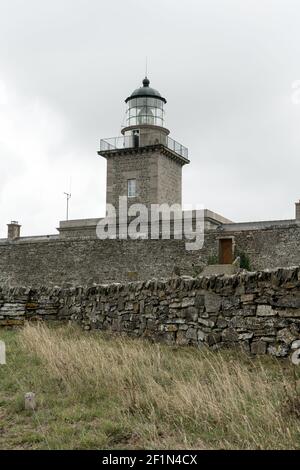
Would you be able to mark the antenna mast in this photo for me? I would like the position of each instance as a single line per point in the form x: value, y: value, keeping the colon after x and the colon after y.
x: 68, y: 197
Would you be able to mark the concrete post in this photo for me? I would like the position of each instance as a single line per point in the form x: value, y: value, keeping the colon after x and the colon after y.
x: 30, y: 401
x: 14, y: 230
x: 2, y: 353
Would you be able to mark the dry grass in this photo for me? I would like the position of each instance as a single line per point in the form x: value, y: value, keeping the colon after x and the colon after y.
x: 134, y: 394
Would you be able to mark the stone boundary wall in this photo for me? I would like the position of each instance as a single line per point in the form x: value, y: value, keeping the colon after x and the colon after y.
x: 258, y: 311
x: 87, y: 261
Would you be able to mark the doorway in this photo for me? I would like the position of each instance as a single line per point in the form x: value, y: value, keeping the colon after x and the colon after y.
x: 225, y: 251
x: 136, y: 138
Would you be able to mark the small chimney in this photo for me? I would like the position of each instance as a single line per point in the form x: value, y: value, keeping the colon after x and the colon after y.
x: 297, y: 211
x: 14, y: 230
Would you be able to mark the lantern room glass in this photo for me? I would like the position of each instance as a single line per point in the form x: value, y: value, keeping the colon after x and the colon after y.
x: 145, y: 110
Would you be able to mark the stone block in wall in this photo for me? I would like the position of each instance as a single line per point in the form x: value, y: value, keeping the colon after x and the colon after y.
x: 266, y: 311
x: 12, y: 309
x: 205, y: 314
x: 188, y: 302
x: 166, y: 337
x: 181, y: 338
x: 129, y: 306
x: 247, y: 298
x: 206, y: 322
x: 48, y: 311
x: 31, y: 306
x: 288, y: 335
x: 116, y: 324
x: 229, y: 335
x: 192, y: 333
x: 148, y: 311
x: 238, y: 322
x: 170, y: 328
x: 230, y: 303
x: 258, y: 347
x: 268, y: 339
x: 132, y: 275
x: 287, y: 301
x: 201, y: 335
x: 130, y: 325
x: 175, y: 321
x: 151, y: 324
x: 97, y: 325
x: 278, y: 350
x: 259, y: 323
x: 289, y: 313
x: 136, y: 307
x: 189, y: 314
x: 212, y: 302
x: 246, y: 311
x: 245, y: 336
x: 75, y: 309
x: 265, y: 331
x: 199, y: 301
x: 222, y: 322
x: 212, y: 339
x: 161, y: 295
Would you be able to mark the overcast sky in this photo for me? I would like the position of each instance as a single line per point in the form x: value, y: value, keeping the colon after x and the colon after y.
x: 226, y: 67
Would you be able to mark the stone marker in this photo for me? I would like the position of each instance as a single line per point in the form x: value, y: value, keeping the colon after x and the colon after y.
x: 30, y: 402
x: 2, y: 353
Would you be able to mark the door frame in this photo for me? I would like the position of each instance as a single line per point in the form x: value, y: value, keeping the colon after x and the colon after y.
x: 224, y: 237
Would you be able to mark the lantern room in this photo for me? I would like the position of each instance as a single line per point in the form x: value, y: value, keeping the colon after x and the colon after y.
x: 145, y: 106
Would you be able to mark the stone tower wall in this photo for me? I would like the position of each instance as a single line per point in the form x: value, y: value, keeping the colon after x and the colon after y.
x: 158, y: 178
x: 169, y: 181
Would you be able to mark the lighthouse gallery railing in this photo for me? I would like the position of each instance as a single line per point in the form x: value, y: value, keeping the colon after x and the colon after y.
x: 129, y: 141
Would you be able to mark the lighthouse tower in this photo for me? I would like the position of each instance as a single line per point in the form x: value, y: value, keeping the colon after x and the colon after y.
x: 145, y: 163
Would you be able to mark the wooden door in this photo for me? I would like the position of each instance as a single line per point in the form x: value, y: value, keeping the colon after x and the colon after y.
x: 225, y: 251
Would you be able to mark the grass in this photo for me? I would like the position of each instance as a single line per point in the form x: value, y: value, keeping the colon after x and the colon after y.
x: 98, y: 392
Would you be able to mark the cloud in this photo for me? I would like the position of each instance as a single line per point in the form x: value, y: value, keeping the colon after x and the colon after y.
x: 226, y: 68
x: 36, y: 163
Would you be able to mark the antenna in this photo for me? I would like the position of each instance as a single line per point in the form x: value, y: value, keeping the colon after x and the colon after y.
x: 146, y: 66
x: 68, y: 197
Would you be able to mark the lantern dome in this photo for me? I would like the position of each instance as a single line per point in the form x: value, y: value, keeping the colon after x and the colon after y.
x: 145, y: 106
x: 145, y: 91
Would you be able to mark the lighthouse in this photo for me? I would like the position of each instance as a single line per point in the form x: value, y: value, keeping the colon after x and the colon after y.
x: 144, y: 163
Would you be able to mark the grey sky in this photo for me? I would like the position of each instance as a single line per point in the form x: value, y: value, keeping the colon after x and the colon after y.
x: 226, y: 68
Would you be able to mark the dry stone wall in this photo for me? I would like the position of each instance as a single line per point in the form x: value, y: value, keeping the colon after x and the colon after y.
x: 258, y: 311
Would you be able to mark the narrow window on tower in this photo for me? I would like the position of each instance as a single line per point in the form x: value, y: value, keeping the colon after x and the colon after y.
x: 131, y: 188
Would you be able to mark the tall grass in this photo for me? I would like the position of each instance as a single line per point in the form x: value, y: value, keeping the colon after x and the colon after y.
x: 172, y: 397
